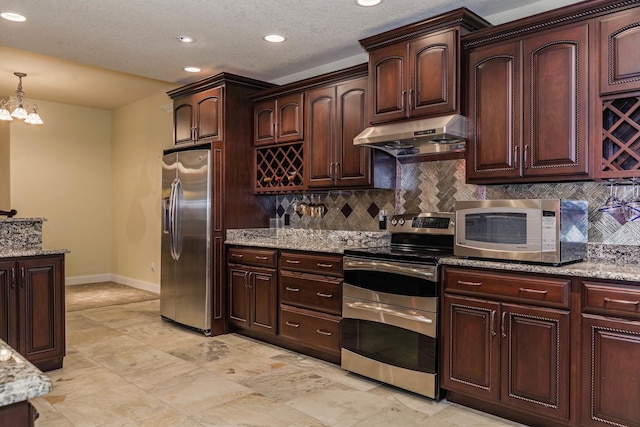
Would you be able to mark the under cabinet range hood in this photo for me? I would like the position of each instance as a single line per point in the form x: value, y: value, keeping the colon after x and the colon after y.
x: 424, y: 137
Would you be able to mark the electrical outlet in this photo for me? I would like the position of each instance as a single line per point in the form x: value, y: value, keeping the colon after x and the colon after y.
x: 153, y: 266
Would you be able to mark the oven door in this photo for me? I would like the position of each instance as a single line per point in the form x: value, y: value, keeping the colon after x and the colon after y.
x: 388, y: 336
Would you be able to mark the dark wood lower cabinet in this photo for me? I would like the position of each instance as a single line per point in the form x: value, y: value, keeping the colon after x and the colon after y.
x: 610, y: 372
x: 253, y: 298
x: 20, y: 414
x: 32, y: 313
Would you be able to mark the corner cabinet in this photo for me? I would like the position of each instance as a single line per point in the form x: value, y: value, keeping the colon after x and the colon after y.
x: 529, y: 107
x: 335, y: 116
x: 610, y: 354
x: 414, y: 70
x: 507, y: 341
x: 32, y: 312
x: 198, y: 117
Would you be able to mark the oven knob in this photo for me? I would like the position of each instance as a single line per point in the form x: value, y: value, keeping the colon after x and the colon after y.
x: 401, y: 222
x: 394, y: 222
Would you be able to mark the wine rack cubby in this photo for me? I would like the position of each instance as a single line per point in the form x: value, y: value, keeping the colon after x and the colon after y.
x: 620, y: 138
x: 279, y: 168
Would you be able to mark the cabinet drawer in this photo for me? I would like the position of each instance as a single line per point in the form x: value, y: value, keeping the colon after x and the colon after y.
x: 313, y: 329
x: 547, y: 291
x: 250, y: 256
x: 312, y: 263
x: 611, y: 298
x: 311, y: 291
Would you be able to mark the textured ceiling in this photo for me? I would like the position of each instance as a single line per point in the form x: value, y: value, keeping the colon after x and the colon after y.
x: 108, y: 53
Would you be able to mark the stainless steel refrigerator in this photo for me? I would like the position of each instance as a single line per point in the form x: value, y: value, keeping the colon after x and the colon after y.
x: 185, y: 282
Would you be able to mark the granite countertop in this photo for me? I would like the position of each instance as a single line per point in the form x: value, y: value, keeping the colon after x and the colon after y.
x: 332, y: 241
x: 19, y: 379
x: 16, y: 219
x: 20, y: 252
x: 591, y: 269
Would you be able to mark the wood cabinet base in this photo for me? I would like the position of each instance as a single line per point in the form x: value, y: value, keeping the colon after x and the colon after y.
x: 501, y: 411
x: 290, y: 345
x: 21, y: 414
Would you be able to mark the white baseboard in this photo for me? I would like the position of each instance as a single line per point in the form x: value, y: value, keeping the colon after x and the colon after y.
x: 81, y: 280
x: 134, y: 283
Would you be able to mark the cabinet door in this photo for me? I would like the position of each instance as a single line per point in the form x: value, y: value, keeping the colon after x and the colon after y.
x: 388, y: 83
x: 619, y: 36
x: 209, y: 114
x: 265, y: 301
x: 471, y: 352
x: 239, y: 296
x: 41, y: 301
x: 535, y: 360
x: 353, y: 163
x: 8, y: 319
x: 290, y: 118
x: 183, y: 120
x: 494, y: 112
x: 433, y: 74
x: 264, y: 124
x: 321, y: 124
x: 610, y: 372
x: 556, y: 95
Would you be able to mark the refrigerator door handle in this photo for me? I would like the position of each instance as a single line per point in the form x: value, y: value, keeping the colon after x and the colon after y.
x: 177, y: 239
x: 172, y: 219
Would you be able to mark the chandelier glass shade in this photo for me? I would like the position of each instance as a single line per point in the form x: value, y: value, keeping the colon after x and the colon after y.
x: 19, y: 107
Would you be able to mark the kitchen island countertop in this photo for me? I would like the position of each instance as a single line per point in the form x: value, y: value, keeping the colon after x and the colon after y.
x: 19, y: 379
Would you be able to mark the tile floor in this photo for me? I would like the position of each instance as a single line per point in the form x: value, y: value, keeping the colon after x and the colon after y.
x: 127, y: 367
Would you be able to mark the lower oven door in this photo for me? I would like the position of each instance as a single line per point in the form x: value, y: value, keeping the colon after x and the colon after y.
x: 391, y: 343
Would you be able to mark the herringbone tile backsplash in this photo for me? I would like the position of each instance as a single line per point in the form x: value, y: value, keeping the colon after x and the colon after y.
x: 435, y: 186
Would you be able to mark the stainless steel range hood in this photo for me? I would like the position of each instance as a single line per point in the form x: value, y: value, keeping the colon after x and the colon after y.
x: 435, y: 135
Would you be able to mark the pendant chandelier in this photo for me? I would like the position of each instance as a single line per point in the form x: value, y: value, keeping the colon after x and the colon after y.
x: 19, y: 107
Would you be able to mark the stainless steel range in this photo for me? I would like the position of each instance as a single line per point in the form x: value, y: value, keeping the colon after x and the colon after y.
x: 390, y: 304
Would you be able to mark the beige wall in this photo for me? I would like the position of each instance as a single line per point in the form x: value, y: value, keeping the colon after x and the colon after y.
x: 62, y: 171
x: 140, y: 132
x: 5, y: 170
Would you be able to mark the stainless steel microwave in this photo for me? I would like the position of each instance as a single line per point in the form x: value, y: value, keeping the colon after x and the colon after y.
x: 549, y: 231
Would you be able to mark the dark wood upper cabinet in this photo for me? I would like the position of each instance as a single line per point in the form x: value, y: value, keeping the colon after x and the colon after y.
x: 335, y: 115
x: 529, y: 108
x: 198, y: 117
x: 619, y: 37
x: 413, y: 70
x: 279, y: 119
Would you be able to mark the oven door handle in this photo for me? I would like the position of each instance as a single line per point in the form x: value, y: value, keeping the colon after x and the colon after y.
x: 428, y: 272
x: 408, y: 319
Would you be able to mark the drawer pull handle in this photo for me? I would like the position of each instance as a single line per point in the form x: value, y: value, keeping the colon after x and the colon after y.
x: 321, y: 265
x: 321, y: 332
x: 292, y: 289
x: 261, y: 258
x: 463, y: 282
x: 237, y: 256
x: 534, y: 291
x: 292, y: 261
x: 621, y: 301
x: 320, y: 294
x: 293, y: 325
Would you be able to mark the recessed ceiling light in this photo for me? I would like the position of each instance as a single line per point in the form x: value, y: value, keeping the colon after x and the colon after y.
x: 12, y: 16
x: 274, y: 38
x: 192, y: 69
x: 185, y: 39
x: 368, y: 2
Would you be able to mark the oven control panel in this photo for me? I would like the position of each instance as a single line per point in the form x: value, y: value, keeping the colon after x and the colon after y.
x: 426, y: 222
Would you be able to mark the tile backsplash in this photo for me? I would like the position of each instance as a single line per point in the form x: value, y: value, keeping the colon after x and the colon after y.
x: 435, y: 186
